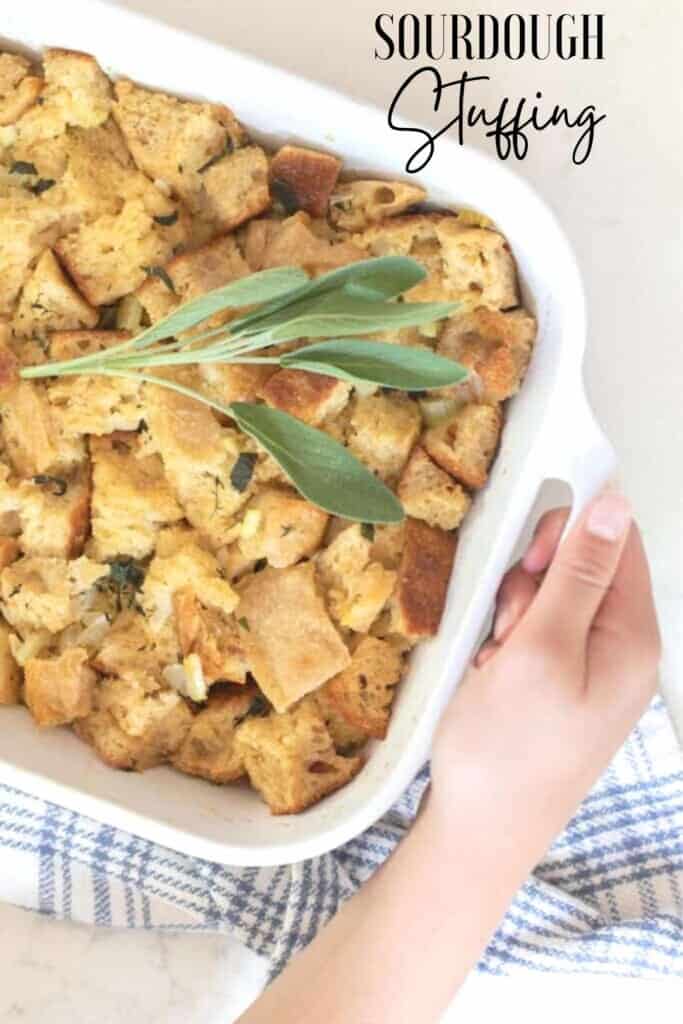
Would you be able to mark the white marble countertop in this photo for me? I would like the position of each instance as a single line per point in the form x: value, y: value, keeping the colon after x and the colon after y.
x: 622, y: 211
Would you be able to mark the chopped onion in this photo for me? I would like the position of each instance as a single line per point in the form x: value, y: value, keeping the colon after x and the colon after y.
x: 188, y: 678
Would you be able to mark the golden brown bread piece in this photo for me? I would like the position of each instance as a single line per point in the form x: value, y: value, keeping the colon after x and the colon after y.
x: 304, y: 178
x: 292, y: 241
x: 54, y: 514
x: 496, y: 346
x: 34, y: 438
x: 9, y: 551
x: 19, y: 90
x: 47, y: 593
x: 364, y: 691
x: 130, y: 647
x: 49, y: 302
x: 291, y: 644
x: 311, y: 397
x: 287, y: 528
x: 10, y: 677
x: 209, y: 749
x: 76, y: 93
x: 131, y: 498
x: 214, y: 637
x: 290, y: 759
x: 356, y: 588
x: 356, y: 204
x: 465, y: 444
x: 59, y: 690
x: 236, y: 188
x: 427, y: 492
x: 423, y: 579
x: 135, y: 724
x: 382, y: 432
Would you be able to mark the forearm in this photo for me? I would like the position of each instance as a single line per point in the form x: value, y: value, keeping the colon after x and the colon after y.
x: 399, y: 950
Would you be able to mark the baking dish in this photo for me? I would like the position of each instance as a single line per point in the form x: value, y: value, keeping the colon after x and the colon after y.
x: 550, y: 433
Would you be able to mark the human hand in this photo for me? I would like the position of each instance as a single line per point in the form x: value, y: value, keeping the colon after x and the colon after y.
x: 569, y: 668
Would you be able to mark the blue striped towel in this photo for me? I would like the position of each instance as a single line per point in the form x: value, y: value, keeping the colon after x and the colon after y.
x: 608, y: 898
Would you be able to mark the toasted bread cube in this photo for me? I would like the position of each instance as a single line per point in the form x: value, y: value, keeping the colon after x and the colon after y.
x: 188, y: 565
x: 173, y: 140
x: 356, y: 588
x: 130, y: 647
x: 291, y: 644
x: 478, y: 260
x: 131, y: 498
x: 304, y: 178
x: 9, y: 551
x: 382, y: 432
x: 465, y: 445
x: 311, y: 397
x: 496, y: 346
x: 192, y: 274
x: 292, y: 242
x: 10, y: 680
x: 55, y: 515
x: 209, y: 749
x: 77, y: 93
x: 427, y: 492
x: 28, y: 226
x: 234, y: 382
x: 236, y: 188
x: 471, y: 265
x: 19, y: 90
x: 49, y: 302
x: 114, y: 746
x: 136, y: 725
x: 113, y: 255
x: 363, y: 693
x: 199, y: 457
x: 347, y: 738
x: 387, y: 544
x: 59, y: 690
x: 288, y: 528
x: 47, y: 593
x: 423, y: 579
x: 35, y: 440
x: 355, y: 204
x: 290, y: 759
x: 214, y: 637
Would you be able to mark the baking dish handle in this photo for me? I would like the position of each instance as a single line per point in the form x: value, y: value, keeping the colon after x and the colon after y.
x: 587, y: 460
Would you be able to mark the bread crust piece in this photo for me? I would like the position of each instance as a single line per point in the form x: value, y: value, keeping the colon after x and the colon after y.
x: 290, y: 759
x: 465, y: 444
x: 423, y: 579
x: 292, y: 241
x: 356, y: 588
x: 215, y: 638
x: 305, y: 175
x: 209, y: 749
x: 19, y: 90
x: 10, y: 677
x: 427, y: 492
x: 311, y: 397
x: 76, y: 93
x: 356, y: 204
x: 363, y: 693
x: 59, y: 690
x: 290, y: 641
x: 33, y: 435
x: 382, y: 432
x: 496, y: 346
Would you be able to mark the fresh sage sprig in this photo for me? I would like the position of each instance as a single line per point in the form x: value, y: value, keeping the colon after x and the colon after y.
x: 283, y: 305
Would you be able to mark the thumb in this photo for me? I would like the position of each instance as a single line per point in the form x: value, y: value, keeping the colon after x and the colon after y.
x: 583, y: 569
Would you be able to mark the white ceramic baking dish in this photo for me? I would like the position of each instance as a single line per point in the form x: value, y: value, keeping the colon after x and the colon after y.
x: 550, y: 433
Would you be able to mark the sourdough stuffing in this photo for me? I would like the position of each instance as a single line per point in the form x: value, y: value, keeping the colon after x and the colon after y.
x: 146, y: 602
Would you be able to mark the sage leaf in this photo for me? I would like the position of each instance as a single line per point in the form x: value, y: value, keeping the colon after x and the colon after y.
x: 377, y: 362
x: 323, y: 470
x: 242, y: 471
x: 384, y: 277
x: 341, y: 313
x: 244, y: 292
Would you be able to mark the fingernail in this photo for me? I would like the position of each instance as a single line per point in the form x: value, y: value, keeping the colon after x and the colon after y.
x: 609, y: 517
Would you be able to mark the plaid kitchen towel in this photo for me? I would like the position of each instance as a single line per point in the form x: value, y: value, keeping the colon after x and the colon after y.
x: 608, y: 898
